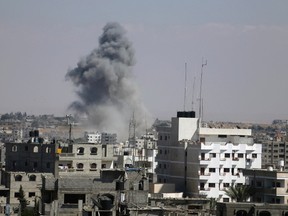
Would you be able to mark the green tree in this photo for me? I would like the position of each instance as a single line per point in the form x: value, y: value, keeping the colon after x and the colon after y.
x: 240, y: 193
x: 22, y: 200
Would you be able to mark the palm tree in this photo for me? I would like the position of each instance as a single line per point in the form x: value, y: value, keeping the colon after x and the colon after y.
x: 240, y: 193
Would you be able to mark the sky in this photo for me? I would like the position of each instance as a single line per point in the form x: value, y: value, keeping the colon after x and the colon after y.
x: 245, y: 44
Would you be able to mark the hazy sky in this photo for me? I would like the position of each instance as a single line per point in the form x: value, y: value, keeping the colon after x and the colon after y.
x: 245, y: 43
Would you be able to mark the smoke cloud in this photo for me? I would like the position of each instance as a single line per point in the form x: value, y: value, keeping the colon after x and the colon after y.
x: 107, y: 91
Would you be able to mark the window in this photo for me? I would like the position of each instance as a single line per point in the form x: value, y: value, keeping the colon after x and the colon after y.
x: 202, y: 156
x: 32, y: 178
x: 213, y: 170
x: 94, y: 151
x: 202, y: 185
x: 26, y: 148
x: 164, y: 166
x: 48, y: 150
x: 48, y: 165
x: 80, y: 166
x: 16, y: 194
x: 254, y: 155
x: 240, y: 155
x: 80, y: 151
x: 18, y: 178
x: 225, y: 199
x: 103, y: 166
x: 93, y: 166
x: 222, y: 136
x: 211, y: 185
x: 35, y: 149
x: 226, y: 170
x: 31, y: 194
x: 226, y: 184
x: 14, y: 148
x: 35, y: 164
x: 212, y: 155
x: 202, y: 170
x: 227, y: 155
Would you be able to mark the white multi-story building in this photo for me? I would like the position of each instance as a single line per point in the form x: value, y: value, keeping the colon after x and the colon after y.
x: 97, y: 137
x: 204, y: 161
x: 93, y: 137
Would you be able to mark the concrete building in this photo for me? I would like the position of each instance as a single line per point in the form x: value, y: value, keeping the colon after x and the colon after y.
x: 100, y: 138
x: 250, y: 208
x: 270, y: 185
x: 204, y: 161
x: 273, y: 152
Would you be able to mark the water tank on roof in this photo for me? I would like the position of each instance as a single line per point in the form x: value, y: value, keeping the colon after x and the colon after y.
x: 119, y: 185
x: 186, y: 114
x: 270, y: 168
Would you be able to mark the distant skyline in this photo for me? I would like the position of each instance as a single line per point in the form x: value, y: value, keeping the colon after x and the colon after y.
x: 244, y: 42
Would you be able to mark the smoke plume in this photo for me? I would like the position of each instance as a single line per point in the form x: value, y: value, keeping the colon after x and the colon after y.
x: 108, y: 94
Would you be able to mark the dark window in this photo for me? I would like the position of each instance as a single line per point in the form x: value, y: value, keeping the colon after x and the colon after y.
x: 222, y: 136
x: 26, y: 148
x: 212, y: 170
x: 103, y: 166
x: 48, y: 165
x: 16, y: 194
x: 225, y: 199
x: 240, y: 155
x: 211, y: 185
x: 254, y: 155
x: 35, y: 164
x: 226, y: 184
x: 93, y: 166
x: 18, y: 178
x: 80, y: 151
x: 226, y: 170
x: 202, y: 185
x: 227, y: 155
x: 94, y: 151
x: 31, y: 194
x: 32, y: 178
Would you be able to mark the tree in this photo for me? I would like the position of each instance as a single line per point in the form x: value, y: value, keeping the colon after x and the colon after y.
x: 22, y: 200
x: 240, y: 193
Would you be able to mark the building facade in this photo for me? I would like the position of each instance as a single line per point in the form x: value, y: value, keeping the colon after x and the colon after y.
x: 209, y: 159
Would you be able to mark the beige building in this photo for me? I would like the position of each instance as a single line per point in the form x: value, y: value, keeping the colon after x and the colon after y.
x: 270, y: 185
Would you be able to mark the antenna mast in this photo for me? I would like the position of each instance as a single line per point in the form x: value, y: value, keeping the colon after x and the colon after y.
x: 193, y: 93
x: 185, y: 87
x: 200, y: 103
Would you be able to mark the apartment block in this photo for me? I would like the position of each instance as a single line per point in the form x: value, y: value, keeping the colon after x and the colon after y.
x: 204, y: 161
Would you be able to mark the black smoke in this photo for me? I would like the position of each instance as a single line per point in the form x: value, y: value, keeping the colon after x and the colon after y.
x: 106, y: 87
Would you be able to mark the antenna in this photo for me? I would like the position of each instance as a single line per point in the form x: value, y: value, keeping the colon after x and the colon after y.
x: 185, y: 87
x: 193, y: 93
x: 200, y: 102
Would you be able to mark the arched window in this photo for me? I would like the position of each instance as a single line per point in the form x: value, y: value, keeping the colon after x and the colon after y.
x: 32, y: 178
x: 264, y: 213
x: 18, y: 178
x: 14, y: 148
x: 94, y: 151
x: 48, y: 150
x: 241, y: 213
x: 80, y: 151
x: 93, y: 166
x: 35, y: 149
x: 80, y: 166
